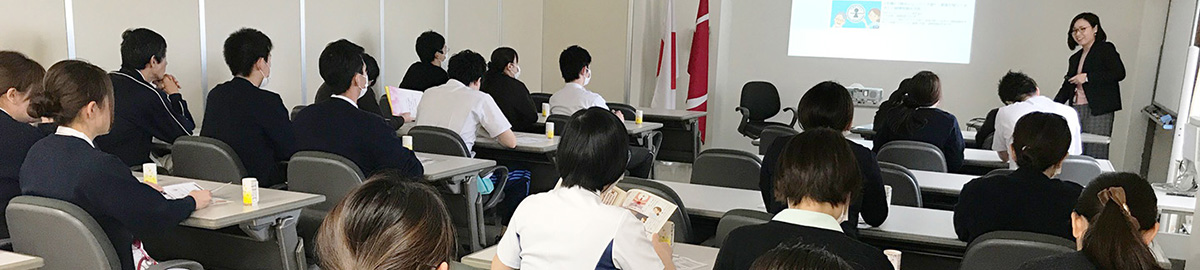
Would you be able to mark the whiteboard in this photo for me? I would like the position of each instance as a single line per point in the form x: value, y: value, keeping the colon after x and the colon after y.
x: 1180, y: 34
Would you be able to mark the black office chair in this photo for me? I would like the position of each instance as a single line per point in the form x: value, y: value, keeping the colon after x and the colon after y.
x: 727, y: 168
x: 905, y: 190
x: 683, y: 223
x: 771, y: 133
x: 560, y: 122
x: 734, y: 219
x: 296, y: 110
x: 539, y: 99
x: 1005, y: 250
x: 760, y: 101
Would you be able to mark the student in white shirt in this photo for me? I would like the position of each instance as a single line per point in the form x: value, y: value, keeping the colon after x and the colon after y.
x: 458, y: 105
x: 1018, y: 86
x: 574, y: 63
x: 569, y: 227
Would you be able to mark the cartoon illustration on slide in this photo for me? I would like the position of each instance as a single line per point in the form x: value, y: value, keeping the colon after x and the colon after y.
x: 855, y: 14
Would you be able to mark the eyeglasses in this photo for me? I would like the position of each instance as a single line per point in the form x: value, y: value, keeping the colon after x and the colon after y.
x: 1080, y: 29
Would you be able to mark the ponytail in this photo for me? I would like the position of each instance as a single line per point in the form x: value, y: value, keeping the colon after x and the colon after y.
x: 68, y: 87
x: 922, y: 90
x: 1113, y: 241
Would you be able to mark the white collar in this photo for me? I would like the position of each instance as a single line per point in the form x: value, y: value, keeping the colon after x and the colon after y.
x: 808, y: 218
x: 576, y: 86
x: 70, y: 132
x: 139, y: 72
x: 456, y: 83
x: 346, y: 99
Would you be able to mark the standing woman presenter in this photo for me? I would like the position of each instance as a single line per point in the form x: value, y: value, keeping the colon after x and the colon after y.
x: 1091, y: 84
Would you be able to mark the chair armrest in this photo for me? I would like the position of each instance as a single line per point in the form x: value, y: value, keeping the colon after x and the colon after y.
x: 184, y: 264
x: 795, y: 116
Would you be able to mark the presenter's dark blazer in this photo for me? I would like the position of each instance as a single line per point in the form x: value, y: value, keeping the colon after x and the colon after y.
x: 335, y: 126
x: 1104, y: 70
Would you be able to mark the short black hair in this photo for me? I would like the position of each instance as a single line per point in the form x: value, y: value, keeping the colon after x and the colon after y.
x: 1093, y: 20
x: 817, y: 164
x: 466, y: 66
x: 139, y: 45
x: 1040, y: 140
x: 795, y: 255
x: 243, y: 48
x: 572, y: 61
x: 429, y: 44
x: 1015, y: 85
x: 828, y: 105
x: 339, y: 62
x: 372, y: 69
x: 594, y: 149
x: 501, y: 57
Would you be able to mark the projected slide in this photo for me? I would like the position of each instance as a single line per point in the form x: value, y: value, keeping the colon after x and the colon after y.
x: 896, y: 30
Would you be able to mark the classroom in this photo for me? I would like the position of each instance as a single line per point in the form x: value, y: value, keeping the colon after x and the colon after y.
x: 719, y: 134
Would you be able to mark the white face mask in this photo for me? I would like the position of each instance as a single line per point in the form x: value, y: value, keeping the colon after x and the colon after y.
x: 265, y: 81
x: 588, y: 79
x: 363, y: 91
x: 517, y: 74
x: 845, y: 215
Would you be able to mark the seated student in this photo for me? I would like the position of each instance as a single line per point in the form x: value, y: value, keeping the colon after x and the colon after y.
x: 1028, y: 199
x: 389, y: 222
x: 828, y: 105
x: 916, y: 118
x: 19, y: 77
x: 1115, y: 218
x: 503, y: 84
x: 250, y: 119
x: 574, y: 63
x: 568, y: 227
x: 429, y: 72
x: 799, y: 256
x: 337, y: 126
x: 66, y: 166
x: 148, y: 103
x: 818, y: 177
x: 1025, y: 98
x: 458, y: 105
x: 367, y: 102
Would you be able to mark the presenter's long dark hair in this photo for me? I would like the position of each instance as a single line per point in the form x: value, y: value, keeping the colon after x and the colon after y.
x: 1092, y: 19
x: 922, y: 90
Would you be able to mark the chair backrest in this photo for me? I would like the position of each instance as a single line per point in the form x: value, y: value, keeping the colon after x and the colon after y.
x: 905, y: 190
x: 385, y: 106
x: 438, y: 140
x: 986, y: 144
x: 628, y: 111
x: 769, y: 134
x: 998, y: 172
x: 683, y: 223
x: 914, y: 155
x: 62, y: 234
x: 762, y: 98
x: 737, y: 218
x: 206, y: 158
x: 539, y: 99
x: 727, y: 168
x: 296, y: 110
x: 1004, y: 250
x: 1080, y: 169
x: 323, y: 173
x: 560, y: 122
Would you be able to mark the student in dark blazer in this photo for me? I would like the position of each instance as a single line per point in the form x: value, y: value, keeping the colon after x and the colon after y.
x: 502, y: 82
x: 1092, y: 84
x: 913, y: 116
x: 368, y: 102
x: 66, y: 166
x: 253, y: 121
x: 828, y: 105
x: 1028, y: 199
x: 149, y: 104
x: 1101, y: 224
x: 337, y: 126
x: 431, y: 48
x: 19, y: 77
x: 817, y: 178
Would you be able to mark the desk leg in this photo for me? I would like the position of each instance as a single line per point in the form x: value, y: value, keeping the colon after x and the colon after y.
x: 266, y: 243
x: 465, y: 204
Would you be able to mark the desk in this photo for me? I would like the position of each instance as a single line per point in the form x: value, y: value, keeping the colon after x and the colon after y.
x: 442, y: 166
x: 230, y: 235
x: 927, y: 227
x: 969, y: 135
x: 681, y: 133
x: 952, y: 184
x: 632, y: 127
x: 707, y: 255
x: 985, y: 158
x: 526, y: 142
x: 534, y: 152
x: 17, y: 261
x: 714, y: 201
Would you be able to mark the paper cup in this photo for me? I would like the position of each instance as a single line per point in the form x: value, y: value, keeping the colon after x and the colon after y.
x: 550, y: 130
x: 407, y: 142
x: 545, y: 109
x: 638, y: 119
x: 150, y: 173
x: 893, y: 257
x: 250, y: 191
